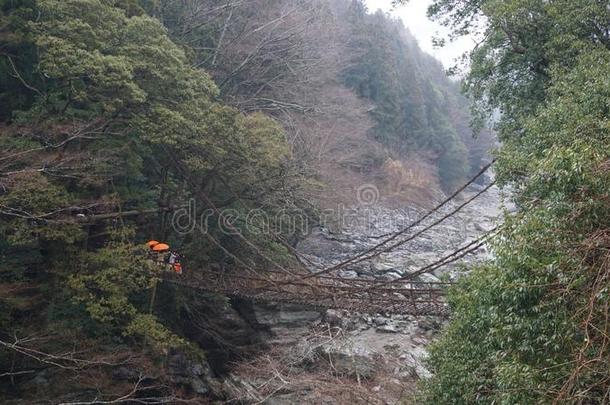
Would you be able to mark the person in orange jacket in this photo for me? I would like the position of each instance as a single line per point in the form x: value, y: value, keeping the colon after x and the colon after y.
x: 178, y: 268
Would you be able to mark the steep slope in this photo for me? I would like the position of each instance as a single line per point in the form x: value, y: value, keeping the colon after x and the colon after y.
x: 106, y: 132
x: 359, y: 100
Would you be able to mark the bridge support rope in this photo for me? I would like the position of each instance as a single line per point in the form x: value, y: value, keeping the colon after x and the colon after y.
x: 413, y: 298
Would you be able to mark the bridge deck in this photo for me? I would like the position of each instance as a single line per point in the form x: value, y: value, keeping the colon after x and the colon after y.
x: 366, y: 296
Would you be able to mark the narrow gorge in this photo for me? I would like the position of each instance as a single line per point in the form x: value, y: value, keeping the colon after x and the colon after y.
x: 300, y: 354
x: 295, y: 202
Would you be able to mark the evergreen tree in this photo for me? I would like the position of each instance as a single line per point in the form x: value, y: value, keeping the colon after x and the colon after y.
x: 412, y: 98
x: 107, y: 117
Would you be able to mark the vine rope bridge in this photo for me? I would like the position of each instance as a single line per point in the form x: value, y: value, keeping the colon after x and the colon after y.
x: 365, y: 296
x: 324, y: 289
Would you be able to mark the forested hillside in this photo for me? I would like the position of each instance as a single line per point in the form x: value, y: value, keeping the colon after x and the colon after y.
x: 117, y: 113
x: 417, y: 110
x: 107, y: 127
x: 297, y: 61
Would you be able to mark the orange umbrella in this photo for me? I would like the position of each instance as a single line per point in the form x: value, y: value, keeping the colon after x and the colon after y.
x: 160, y: 247
x: 151, y: 243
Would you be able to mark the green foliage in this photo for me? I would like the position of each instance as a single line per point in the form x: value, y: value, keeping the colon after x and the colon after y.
x: 109, y: 116
x: 530, y: 327
x: 127, y: 93
x: 452, y: 166
x: 18, y: 55
x: 106, y: 282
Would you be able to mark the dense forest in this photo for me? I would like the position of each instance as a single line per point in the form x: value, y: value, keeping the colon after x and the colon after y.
x: 295, y: 61
x: 115, y: 114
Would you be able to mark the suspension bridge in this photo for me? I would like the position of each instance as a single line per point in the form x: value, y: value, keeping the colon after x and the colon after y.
x: 365, y: 296
x: 323, y: 289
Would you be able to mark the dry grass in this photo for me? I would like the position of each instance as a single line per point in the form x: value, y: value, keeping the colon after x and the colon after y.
x: 410, y: 180
x: 309, y: 375
x: 590, y: 376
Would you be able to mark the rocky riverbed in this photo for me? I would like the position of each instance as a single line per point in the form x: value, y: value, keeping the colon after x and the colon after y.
x: 344, y: 357
x: 364, y: 226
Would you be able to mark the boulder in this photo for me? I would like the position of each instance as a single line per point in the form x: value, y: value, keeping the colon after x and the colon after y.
x: 333, y: 318
x: 390, y: 328
x: 389, y: 276
x: 414, y: 363
x: 345, y: 363
x: 284, y: 315
x: 349, y: 274
x: 189, y: 371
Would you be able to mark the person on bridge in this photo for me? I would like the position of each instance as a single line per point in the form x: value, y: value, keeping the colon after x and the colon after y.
x: 159, y: 252
x: 175, y: 262
x: 178, y: 268
x: 163, y: 255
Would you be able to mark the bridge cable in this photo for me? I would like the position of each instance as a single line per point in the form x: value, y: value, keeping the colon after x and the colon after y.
x: 374, y: 252
x: 456, y: 255
x: 370, y: 252
x: 355, y: 259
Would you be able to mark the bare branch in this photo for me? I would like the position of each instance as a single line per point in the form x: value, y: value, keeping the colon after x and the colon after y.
x: 18, y: 76
x: 132, y: 397
x: 63, y: 361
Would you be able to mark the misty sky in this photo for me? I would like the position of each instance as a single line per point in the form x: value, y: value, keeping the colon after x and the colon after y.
x: 414, y: 16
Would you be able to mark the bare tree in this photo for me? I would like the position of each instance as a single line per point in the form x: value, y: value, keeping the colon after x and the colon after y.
x: 84, y: 365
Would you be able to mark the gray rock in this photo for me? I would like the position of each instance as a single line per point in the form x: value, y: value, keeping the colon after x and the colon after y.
x: 415, y: 366
x: 380, y: 321
x: 390, y: 276
x: 480, y: 227
x: 272, y: 315
x: 427, y: 278
x: 199, y: 387
x: 429, y: 324
x: 383, y: 267
x: 198, y: 369
x: 387, y: 329
x: 349, y: 274
x: 190, y: 372
x: 349, y: 364
x: 333, y: 318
